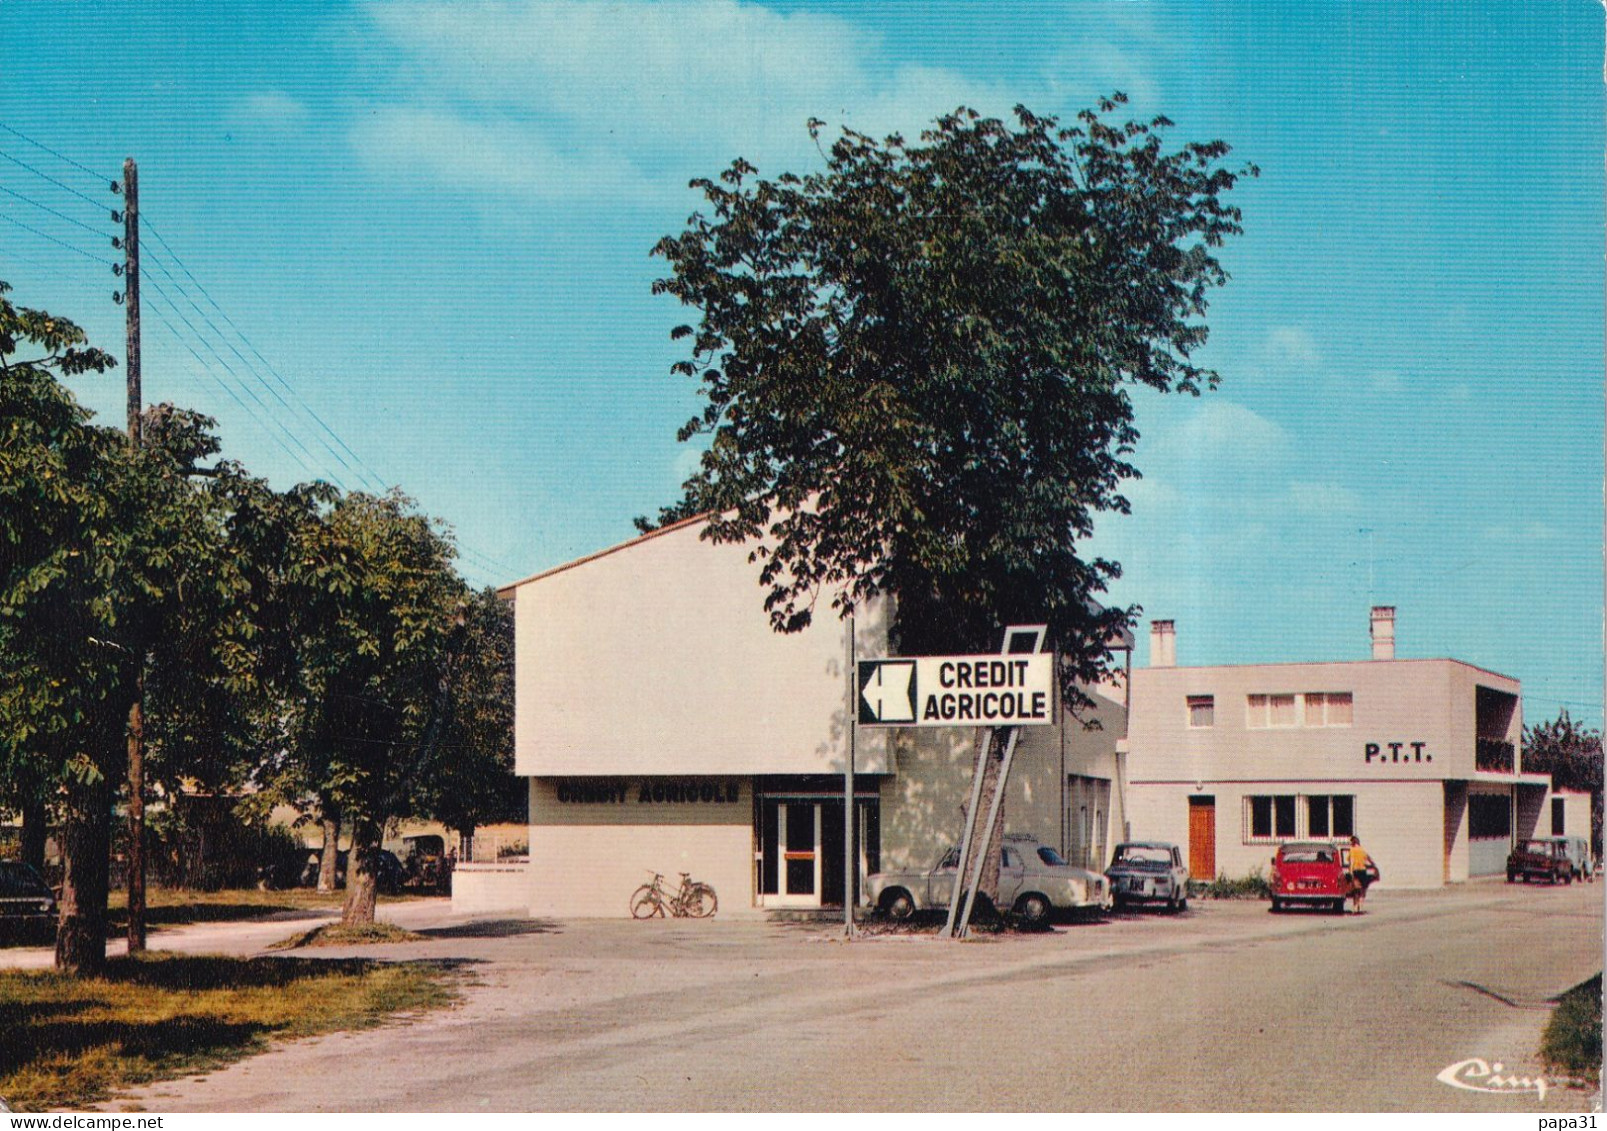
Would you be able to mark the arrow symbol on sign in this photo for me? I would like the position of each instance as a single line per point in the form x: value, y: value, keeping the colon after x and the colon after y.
x: 887, y: 693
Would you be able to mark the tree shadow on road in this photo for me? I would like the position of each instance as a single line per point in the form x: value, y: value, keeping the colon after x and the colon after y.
x: 492, y: 929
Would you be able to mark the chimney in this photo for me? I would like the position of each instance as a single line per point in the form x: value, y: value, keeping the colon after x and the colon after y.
x: 1162, y: 644
x: 1383, y: 632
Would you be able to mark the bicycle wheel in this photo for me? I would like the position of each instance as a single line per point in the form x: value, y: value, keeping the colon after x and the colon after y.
x: 645, y: 903
x: 701, y: 901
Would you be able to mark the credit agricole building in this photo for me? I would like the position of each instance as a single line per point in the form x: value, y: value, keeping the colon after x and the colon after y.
x: 664, y: 727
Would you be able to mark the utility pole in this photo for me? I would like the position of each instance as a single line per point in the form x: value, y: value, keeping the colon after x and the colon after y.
x: 136, y: 711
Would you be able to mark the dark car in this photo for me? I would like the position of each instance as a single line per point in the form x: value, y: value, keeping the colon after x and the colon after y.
x: 1309, y: 873
x: 27, y: 905
x: 1149, y: 871
x: 1542, y: 859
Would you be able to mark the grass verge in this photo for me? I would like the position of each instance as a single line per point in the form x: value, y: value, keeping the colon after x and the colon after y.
x: 338, y: 934
x: 1572, y: 1040
x: 71, y: 1042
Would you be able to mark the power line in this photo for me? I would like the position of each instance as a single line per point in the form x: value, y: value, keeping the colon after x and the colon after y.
x: 63, y: 185
x: 173, y: 306
x: 54, y: 240
x: 53, y: 153
x: 375, y: 481
x: 178, y: 339
x: 157, y: 263
x: 60, y: 215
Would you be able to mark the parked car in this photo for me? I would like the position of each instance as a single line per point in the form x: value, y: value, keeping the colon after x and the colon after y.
x: 1577, y: 849
x: 1540, y: 858
x: 1149, y: 871
x: 27, y: 905
x: 1310, y: 873
x: 1033, y: 881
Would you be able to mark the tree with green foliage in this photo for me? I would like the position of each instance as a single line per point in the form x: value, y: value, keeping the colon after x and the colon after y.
x: 373, y: 617
x: 113, y: 575
x: 917, y: 366
x: 472, y: 782
x: 1572, y: 755
x: 64, y: 701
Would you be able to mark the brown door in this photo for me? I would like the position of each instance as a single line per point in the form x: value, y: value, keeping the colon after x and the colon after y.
x: 1202, y: 838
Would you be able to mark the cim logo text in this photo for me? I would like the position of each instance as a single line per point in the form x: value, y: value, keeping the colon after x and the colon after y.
x: 1476, y: 1075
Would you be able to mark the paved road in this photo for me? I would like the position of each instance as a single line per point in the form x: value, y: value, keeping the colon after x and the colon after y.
x: 1225, y: 1008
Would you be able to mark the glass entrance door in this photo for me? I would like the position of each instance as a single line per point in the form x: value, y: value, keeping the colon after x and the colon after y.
x: 792, y: 853
x: 799, y: 849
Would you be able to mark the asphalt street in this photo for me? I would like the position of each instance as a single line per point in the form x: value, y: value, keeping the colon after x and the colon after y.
x: 1227, y: 1007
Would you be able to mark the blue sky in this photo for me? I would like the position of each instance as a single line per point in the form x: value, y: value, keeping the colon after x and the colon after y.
x: 433, y: 221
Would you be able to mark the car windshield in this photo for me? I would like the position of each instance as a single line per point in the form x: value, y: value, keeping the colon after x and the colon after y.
x: 1142, y: 854
x: 1050, y: 856
x: 1308, y: 854
x: 19, y: 879
x: 1537, y: 847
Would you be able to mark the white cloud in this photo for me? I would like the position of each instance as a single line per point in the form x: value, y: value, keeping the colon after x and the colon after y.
x: 1227, y: 435
x: 1290, y: 347
x: 504, y: 158
x: 271, y: 110
x: 664, y: 89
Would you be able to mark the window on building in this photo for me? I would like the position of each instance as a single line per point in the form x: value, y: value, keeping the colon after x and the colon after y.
x: 1271, y: 711
x: 1328, y: 815
x: 1328, y: 708
x: 1202, y: 710
x: 1489, y: 816
x: 1344, y: 822
x: 1270, y: 818
x: 1559, y: 818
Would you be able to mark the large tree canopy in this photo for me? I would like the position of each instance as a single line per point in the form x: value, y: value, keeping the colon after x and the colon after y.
x: 917, y: 362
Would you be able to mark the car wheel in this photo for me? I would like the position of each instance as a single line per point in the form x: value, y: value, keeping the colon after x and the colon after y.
x: 1277, y: 905
x: 1183, y: 903
x: 898, y: 906
x: 1337, y: 906
x: 1512, y: 877
x: 1033, y: 910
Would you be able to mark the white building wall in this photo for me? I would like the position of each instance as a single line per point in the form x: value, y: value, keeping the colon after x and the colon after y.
x: 658, y: 658
x: 923, y: 803
x: 587, y: 858
x: 1400, y: 824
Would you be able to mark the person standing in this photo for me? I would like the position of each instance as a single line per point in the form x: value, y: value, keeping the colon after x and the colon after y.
x: 1358, y: 866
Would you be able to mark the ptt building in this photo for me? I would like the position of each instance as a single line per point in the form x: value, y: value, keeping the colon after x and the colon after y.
x: 1420, y: 758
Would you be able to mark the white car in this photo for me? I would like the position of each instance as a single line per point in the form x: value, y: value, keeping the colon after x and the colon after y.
x: 1033, y: 881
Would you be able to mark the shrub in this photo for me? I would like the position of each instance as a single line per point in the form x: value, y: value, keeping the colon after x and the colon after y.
x: 1572, y: 1040
x: 1253, y: 886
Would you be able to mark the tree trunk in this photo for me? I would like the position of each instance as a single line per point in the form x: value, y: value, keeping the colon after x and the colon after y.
x: 86, y: 853
x: 328, y: 861
x: 35, y: 828
x: 362, y: 885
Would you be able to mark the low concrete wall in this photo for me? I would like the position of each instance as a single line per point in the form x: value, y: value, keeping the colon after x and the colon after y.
x: 491, y: 887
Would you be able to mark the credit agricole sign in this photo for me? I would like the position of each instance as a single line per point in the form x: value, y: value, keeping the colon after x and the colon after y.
x: 648, y: 791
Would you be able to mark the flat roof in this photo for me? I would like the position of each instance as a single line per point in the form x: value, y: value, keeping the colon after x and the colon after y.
x: 1321, y: 664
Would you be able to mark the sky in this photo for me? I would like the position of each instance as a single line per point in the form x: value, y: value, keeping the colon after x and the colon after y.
x: 409, y: 244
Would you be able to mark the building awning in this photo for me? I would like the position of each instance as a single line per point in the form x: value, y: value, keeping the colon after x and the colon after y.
x: 1536, y: 781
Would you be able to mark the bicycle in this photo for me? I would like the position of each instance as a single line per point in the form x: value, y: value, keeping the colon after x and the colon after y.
x: 693, y: 901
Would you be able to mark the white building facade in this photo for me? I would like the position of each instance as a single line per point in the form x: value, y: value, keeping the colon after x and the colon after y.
x: 665, y: 727
x: 1419, y: 758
